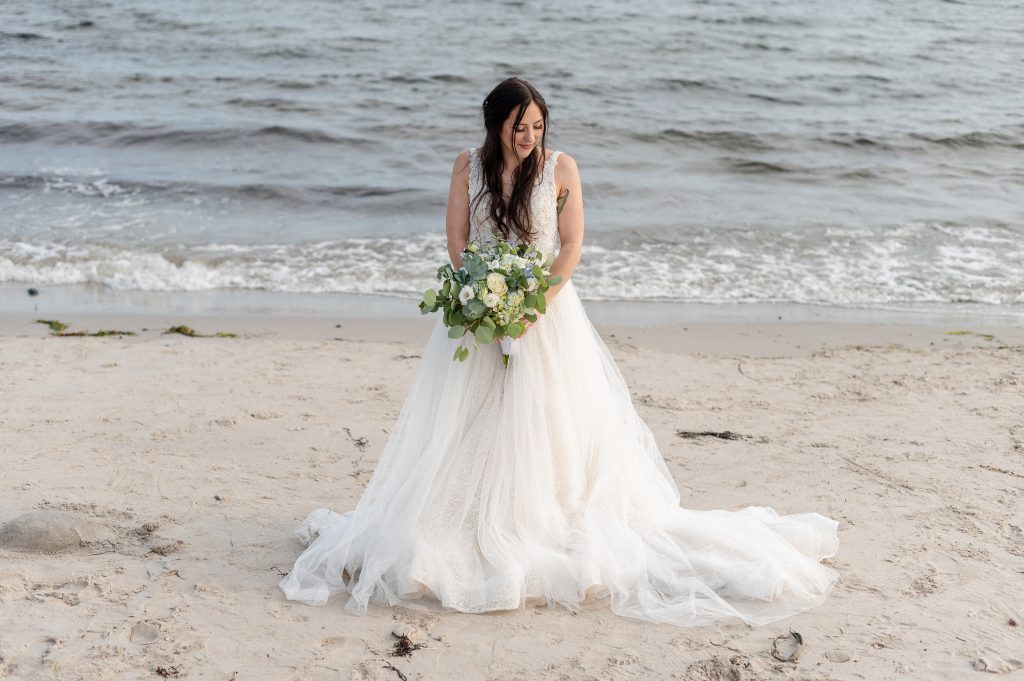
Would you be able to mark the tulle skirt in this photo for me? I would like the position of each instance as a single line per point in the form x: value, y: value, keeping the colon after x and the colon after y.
x: 539, y: 483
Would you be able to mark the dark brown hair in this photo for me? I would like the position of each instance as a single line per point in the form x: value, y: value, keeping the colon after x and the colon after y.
x: 513, y: 218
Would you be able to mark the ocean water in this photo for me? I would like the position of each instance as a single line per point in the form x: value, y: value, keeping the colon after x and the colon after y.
x: 866, y: 155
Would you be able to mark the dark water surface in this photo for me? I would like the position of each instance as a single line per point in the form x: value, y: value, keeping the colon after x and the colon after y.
x: 866, y: 154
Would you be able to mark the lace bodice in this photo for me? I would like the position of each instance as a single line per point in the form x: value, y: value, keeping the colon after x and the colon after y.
x: 543, y: 207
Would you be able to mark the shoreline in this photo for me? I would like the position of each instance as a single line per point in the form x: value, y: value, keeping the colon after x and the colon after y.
x: 243, y: 306
x: 712, y: 339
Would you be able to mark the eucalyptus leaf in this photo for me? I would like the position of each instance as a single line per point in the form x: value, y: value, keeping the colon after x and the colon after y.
x: 457, y: 331
x: 475, y: 309
x: 515, y: 329
x: 542, y: 304
x: 430, y: 296
x: 484, y: 334
x: 556, y: 279
x: 476, y: 268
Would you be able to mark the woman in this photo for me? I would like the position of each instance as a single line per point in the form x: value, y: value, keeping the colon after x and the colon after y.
x: 539, y: 483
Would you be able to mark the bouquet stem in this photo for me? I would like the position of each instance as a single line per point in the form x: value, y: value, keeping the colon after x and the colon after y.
x: 508, y: 347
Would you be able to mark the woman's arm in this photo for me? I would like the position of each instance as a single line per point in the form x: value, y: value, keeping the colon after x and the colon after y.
x: 570, y: 223
x: 457, y: 217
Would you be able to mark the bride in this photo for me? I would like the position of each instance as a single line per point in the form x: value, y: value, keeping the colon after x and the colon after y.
x: 539, y: 484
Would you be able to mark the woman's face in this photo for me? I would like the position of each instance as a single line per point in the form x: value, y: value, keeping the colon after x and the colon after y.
x: 523, y: 140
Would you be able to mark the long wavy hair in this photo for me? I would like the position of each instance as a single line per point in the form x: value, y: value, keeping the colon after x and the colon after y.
x: 513, y: 218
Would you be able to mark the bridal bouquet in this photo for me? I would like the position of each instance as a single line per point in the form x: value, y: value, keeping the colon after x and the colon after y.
x: 495, y: 290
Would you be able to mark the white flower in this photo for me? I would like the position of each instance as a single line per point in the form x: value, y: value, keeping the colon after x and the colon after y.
x: 496, y: 283
x: 531, y: 284
x: 466, y: 294
x: 491, y: 299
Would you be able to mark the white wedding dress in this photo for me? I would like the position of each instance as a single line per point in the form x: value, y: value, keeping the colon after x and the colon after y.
x: 540, y: 484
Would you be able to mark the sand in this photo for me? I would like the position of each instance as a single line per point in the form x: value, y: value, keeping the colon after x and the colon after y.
x: 183, y: 464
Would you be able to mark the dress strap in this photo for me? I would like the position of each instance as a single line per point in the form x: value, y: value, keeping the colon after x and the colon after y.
x: 549, y: 167
x: 474, y: 170
x: 553, y: 159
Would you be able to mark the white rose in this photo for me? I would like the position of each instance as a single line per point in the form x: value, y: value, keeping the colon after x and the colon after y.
x: 466, y: 294
x: 496, y: 283
x: 531, y: 284
x: 491, y: 299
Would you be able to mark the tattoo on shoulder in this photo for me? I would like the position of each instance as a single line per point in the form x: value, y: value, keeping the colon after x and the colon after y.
x: 561, y: 200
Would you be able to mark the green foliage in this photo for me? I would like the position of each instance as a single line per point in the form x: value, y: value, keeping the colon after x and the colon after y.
x: 475, y: 309
x: 474, y: 317
x: 484, y: 334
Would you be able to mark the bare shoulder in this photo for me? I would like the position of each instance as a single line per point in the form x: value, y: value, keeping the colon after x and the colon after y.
x: 460, y: 169
x: 461, y: 166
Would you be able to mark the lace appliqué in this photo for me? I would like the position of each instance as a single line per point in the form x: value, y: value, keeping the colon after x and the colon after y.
x: 543, y: 206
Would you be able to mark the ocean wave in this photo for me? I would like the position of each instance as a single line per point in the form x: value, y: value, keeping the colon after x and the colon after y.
x: 917, y: 263
x: 93, y: 182
x: 978, y: 139
x: 730, y: 140
x: 113, y: 134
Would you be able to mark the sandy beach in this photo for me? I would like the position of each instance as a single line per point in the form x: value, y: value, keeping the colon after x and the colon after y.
x: 180, y: 466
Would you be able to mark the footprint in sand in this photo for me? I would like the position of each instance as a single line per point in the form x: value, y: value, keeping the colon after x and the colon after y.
x: 71, y: 593
x: 996, y: 664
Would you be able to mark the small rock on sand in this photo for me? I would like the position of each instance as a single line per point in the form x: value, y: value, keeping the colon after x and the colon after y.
x: 415, y: 635
x: 50, y: 532
x: 144, y: 633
